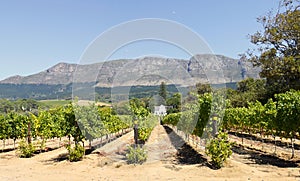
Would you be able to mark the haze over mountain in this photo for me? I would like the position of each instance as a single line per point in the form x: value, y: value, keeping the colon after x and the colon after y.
x: 144, y: 71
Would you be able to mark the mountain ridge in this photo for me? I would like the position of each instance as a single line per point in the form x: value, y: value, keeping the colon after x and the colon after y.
x: 142, y: 71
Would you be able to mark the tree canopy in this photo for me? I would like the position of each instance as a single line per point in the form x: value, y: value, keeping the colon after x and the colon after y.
x: 278, y: 52
x: 163, y: 90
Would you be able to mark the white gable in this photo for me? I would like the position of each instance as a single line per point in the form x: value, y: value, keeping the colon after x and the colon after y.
x: 160, y: 110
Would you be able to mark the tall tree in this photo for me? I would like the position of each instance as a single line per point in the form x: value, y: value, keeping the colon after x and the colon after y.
x: 278, y: 52
x: 248, y: 90
x: 175, y: 103
x: 203, y: 88
x: 163, y: 90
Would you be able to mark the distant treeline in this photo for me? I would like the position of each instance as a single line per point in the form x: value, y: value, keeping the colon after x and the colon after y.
x: 34, y: 91
x: 45, y: 91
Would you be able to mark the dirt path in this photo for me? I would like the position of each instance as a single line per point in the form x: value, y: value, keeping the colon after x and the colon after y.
x: 163, y: 146
x: 166, y: 146
x: 159, y: 146
x: 115, y: 150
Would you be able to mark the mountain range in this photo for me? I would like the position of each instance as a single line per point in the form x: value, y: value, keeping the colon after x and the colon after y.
x: 144, y: 71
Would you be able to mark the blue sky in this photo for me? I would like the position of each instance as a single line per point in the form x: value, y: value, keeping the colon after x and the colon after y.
x: 36, y: 35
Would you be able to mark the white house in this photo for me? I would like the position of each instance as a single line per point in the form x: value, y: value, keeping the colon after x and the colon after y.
x: 160, y: 110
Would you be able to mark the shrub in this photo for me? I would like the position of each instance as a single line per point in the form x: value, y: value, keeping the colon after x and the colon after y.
x: 25, y: 150
x: 144, y: 134
x: 136, y: 154
x: 219, y: 149
x: 76, y: 153
x: 172, y: 119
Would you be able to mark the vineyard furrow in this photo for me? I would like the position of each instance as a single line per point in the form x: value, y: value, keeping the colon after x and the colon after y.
x: 159, y: 146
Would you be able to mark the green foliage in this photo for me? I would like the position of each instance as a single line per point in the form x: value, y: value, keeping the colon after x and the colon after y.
x: 112, y: 122
x: 146, y: 126
x: 70, y: 124
x: 175, y: 102
x: 126, y: 119
x: 288, y: 113
x: 256, y: 118
x: 163, y: 90
x: 90, y: 122
x: 203, y: 88
x: 76, y: 153
x: 121, y: 108
x: 5, y: 128
x: 204, y: 111
x: 20, y: 105
x: 248, y: 90
x: 172, y: 118
x: 219, y: 149
x: 138, y: 109
x: 144, y: 133
x: 188, y: 119
x: 278, y: 51
x: 25, y: 150
x: 54, y: 103
x: 136, y: 154
x: 279, y: 118
x: 35, y: 91
x: 251, y: 85
x: 6, y: 106
x: 17, y: 123
x: 196, y: 115
x: 143, y: 119
x: 43, y: 124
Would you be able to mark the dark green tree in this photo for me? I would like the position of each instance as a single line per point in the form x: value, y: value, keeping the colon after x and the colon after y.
x: 163, y: 90
x: 248, y: 90
x: 278, y: 52
x: 175, y: 103
x: 250, y: 85
x: 203, y: 88
x: 6, y: 106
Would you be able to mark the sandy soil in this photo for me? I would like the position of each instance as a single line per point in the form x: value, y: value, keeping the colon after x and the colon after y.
x: 168, y: 159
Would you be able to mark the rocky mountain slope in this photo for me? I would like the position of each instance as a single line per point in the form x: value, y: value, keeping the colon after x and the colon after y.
x: 144, y: 71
